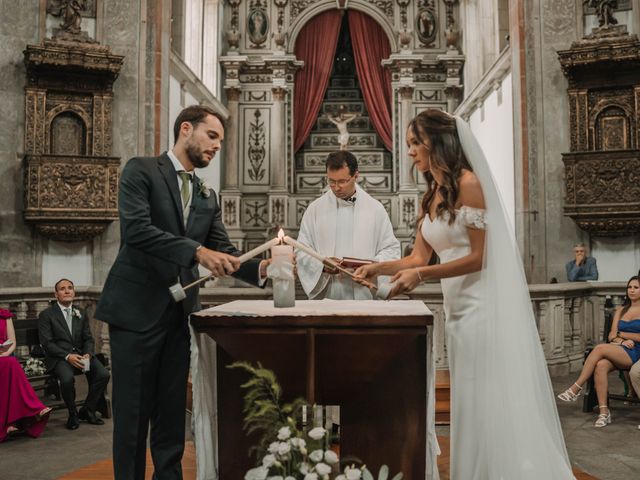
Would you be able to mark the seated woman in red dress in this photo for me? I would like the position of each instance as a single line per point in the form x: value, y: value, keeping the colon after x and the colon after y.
x: 20, y: 408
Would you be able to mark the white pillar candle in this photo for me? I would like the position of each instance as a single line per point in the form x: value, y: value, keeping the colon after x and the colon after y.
x: 284, y: 285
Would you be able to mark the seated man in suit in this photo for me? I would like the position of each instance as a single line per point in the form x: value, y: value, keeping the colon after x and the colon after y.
x: 66, y: 338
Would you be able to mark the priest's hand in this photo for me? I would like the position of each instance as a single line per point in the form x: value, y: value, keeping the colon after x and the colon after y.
x: 404, y: 281
x: 220, y: 264
x: 331, y: 270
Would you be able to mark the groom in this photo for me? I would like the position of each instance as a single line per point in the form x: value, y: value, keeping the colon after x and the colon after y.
x: 170, y: 223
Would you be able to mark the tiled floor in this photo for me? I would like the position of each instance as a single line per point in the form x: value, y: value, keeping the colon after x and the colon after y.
x: 611, y: 453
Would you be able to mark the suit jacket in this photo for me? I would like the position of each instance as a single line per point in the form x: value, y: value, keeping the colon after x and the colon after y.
x: 155, y: 246
x: 56, y: 339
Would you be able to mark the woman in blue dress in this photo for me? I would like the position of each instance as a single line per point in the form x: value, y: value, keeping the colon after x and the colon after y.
x: 622, y: 351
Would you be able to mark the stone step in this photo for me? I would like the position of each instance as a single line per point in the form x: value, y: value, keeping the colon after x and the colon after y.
x: 337, y: 81
x: 311, y: 161
x: 443, y: 397
x: 357, y: 141
x: 343, y: 94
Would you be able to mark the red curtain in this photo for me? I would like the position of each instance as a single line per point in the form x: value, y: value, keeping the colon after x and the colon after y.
x: 370, y: 47
x: 316, y: 46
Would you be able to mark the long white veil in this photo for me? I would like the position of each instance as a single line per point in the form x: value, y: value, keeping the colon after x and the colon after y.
x: 522, y: 437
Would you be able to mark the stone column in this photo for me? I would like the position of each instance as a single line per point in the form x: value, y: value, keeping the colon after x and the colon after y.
x: 278, y: 174
x: 232, y: 141
x: 407, y: 179
x: 278, y: 198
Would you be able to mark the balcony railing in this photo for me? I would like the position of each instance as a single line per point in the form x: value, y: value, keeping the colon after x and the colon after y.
x: 569, y: 316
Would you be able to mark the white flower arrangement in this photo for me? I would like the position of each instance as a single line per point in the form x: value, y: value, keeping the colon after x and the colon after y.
x: 204, y: 189
x: 283, y: 450
x: 75, y: 313
x: 34, y: 367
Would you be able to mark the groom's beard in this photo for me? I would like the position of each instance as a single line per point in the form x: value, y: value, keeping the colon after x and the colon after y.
x: 195, y: 156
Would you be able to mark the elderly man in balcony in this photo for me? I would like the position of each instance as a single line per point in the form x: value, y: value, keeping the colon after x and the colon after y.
x: 582, y: 268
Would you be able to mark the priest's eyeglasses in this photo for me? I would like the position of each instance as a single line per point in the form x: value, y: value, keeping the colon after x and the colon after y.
x: 340, y: 183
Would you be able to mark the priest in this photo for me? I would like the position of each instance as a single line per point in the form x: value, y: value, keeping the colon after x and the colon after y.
x: 344, y: 222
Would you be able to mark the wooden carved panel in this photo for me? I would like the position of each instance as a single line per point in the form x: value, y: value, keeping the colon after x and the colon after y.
x: 73, y: 197
x: 71, y: 182
x: 601, y: 171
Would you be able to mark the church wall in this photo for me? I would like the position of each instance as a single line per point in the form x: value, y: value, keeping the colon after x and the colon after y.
x: 21, y: 258
x: 617, y: 258
x: 492, y: 123
x: 550, y: 26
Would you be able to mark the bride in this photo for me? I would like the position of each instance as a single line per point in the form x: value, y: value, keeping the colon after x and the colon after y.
x: 504, y: 422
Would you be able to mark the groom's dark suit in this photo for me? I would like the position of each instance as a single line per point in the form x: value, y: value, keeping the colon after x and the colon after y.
x: 148, y: 330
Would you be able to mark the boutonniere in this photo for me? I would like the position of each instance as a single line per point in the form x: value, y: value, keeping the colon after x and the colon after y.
x: 75, y: 313
x: 204, y: 190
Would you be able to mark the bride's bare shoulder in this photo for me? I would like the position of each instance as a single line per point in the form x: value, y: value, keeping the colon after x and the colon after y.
x: 470, y: 190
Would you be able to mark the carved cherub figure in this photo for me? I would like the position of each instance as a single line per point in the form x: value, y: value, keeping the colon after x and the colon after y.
x: 604, y: 9
x: 71, y: 13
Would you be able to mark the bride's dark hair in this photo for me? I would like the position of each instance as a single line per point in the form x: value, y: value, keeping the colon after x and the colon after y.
x: 446, y: 155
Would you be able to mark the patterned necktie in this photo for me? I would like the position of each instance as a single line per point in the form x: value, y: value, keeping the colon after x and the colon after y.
x: 184, y: 190
x: 67, y: 317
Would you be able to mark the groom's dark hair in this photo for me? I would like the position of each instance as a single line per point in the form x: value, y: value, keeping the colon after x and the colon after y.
x: 340, y: 159
x: 194, y: 114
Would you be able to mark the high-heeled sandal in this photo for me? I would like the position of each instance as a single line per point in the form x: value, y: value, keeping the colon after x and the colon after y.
x: 569, y: 396
x: 11, y: 429
x: 603, y: 419
x: 43, y: 413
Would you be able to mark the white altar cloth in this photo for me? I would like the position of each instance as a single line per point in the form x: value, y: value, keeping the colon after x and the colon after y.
x: 203, y: 366
x: 369, y: 308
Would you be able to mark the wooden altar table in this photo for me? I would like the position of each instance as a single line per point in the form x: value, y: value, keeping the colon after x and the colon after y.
x: 367, y: 356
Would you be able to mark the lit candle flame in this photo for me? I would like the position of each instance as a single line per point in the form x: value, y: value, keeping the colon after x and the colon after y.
x: 281, y: 235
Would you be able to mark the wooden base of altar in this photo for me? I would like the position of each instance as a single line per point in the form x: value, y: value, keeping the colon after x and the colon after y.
x: 368, y: 358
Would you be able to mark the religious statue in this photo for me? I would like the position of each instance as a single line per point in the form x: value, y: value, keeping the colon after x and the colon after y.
x: 71, y: 13
x: 341, y: 121
x: 604, y: 10
x: 426, y: 23
x: 258, y: 24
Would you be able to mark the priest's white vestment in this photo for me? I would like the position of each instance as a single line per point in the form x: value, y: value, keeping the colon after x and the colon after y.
x: 341, y: 228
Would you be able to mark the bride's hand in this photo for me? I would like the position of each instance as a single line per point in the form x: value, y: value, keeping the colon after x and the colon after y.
x: 367, y: 272
x: 404, y: 281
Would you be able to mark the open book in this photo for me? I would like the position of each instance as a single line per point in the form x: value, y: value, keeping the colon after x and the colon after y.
x: 352, y: 262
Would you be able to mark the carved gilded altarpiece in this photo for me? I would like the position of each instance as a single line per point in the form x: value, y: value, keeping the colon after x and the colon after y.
x: 71, y: 179
x: 602, y: 170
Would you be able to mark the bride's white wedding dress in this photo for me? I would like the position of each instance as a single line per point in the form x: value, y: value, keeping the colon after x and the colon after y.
x: 504, y: 421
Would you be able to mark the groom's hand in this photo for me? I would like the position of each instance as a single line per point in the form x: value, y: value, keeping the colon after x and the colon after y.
x: 220, y: 264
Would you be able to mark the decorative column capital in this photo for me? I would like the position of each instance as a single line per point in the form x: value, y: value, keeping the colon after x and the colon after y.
x: 406, y: 92
x: 233, y: 93
x: 279, y: 93
x: 232, y: 65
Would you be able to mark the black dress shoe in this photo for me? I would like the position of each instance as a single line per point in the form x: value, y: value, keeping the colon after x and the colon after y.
x: 89, y: 417
x: 73, y: 422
